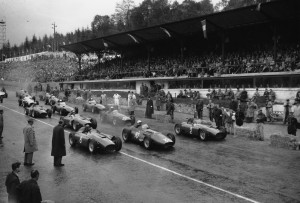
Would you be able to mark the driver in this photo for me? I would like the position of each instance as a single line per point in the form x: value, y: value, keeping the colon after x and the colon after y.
x: 91, y: 99
x: 72, y: 114
x: 87, y: 128
x: 138, y: 124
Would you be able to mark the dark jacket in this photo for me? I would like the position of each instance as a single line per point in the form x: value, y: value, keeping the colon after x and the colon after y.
x: 199, y: 106
x: 58, y: 141
x: 149, y: 108
x: 233, y: 105
x: 1, y: 123
x: 29, y: 191
x: 11, y: 183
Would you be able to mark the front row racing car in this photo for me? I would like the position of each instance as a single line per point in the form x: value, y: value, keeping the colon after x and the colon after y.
x: 77, y: 121
x: 200, y: 128
x: 93, y: 139
x: 142, y: 134
x: 2, y: 95
x: 37, y: 111
x: 116, y: 118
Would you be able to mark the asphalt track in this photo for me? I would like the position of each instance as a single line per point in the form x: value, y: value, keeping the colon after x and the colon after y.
x: 233, y: 170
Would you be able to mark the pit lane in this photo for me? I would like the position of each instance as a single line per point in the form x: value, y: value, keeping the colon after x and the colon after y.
x: 241, y: 168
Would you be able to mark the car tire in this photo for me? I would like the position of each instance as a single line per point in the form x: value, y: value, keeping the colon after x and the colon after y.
x: 76, y: 110
x: 91, y: 146
x: 202, y: 135
x: 72, y: 140
x: 20, y: 102
x: 93, y: 123
x: 126, y: 135
x: 177, y: 129
x: 49, y: 114
x: 147, y: 143
x: 118, y: 143
x: 172, y: 137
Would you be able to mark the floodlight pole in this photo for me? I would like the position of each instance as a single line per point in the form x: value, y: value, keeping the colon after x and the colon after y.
x: 54, y: 43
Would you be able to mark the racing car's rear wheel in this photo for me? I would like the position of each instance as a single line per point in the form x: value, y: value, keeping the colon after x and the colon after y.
x: 32, y: 114
x: 147, y: 143
x: 118, y: 143
x: 20, y: 102
x: 172, y: 137
x: 202, y: 135
x: 126, y: 135
x: 92, y: 147
x: 177, y: 129
x: 93, y: 123
x: 26, y: 112
x: 72, y: 140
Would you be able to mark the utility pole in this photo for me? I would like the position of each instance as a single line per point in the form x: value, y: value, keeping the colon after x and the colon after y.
x: 54, y: 43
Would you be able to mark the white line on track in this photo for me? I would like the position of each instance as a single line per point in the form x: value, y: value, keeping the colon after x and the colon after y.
x: 165, y: 169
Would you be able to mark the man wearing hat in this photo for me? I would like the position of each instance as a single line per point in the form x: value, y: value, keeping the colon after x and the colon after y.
x: 1, y: 123
x: 12, y: 182
x: 29, y: 190
x: 58, y: 144
x: 297, y: 112
x: 30, y: 144
x: 287, y: 110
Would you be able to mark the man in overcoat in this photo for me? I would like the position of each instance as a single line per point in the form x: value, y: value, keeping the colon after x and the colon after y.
x: 58, y: 144
x: 149, y: 108
x: 30, y: 144
x: 1, y: 123
x: 12, y: 182
x: 29, y: 190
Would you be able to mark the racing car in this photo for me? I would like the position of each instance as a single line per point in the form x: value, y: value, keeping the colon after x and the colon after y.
x: 201, y: 129
x: 51, y: 100
x: 93, y: 106
x: 2, y: 95
x: 147, y: 137
x: 37, y: 111
x: 26, y: 100
x: 20, y: 92
x: 116, y: 118
x: 62, y: 108
x: 94, y: 139
x: 77, y: 121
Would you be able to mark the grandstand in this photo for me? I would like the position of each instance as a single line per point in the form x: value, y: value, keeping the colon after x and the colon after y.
x: 254, y: 46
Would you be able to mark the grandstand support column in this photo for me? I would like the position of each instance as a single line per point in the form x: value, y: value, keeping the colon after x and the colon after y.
x: 275, y: 39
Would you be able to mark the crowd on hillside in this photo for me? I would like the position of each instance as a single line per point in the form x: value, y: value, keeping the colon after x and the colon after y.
x: 254, y: 60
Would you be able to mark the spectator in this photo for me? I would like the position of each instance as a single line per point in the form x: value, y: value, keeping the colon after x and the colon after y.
x: 199, y: 108
x: 298, y: 95
x: 272, y: 95
x: 296, y: 110
x: 287, y: 110
x: 1, y: 123
x: 220, y: 94
x: 229, y: 120
x: 132, y: 105
x: 210, y: 107
x: 170, y: 110
x: 149, y: 108
x: 269, y: 110
x: 29, y: 190
x: 233, y: 105
x: 58, y: 144
x: 158, y: 101
x: 117, y: 99
x: 12, y: 182
x: 260, y: 119
x: 251, y: 107
x: 244, y: 95
x: 237, y: 94
x: 266, y: 94
x: 255, y: 95
x: 169, y: 97
x: 30, y: 144
x: 217, y: 112
x: 103, y: 99
x: 180, y: 95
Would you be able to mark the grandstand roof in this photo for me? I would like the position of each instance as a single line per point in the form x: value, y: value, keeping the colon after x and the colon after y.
x: 274, y: 11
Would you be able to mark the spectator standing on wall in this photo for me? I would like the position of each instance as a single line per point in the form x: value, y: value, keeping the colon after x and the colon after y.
x: 255, y: 95
x: 103, y: 98
x: 266, y: 94
x: 117, y: 99
x: 269, y: 110
x: 199, y: 108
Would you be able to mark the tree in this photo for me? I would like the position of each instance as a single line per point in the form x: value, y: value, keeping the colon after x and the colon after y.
x: 225, y: 5
x: 103, y: 25
x: 121, y: 17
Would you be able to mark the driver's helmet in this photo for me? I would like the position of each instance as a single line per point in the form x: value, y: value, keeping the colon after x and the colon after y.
x: 139, y: 122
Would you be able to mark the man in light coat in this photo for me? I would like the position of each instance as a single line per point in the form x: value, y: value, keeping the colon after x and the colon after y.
x: 58, y: 144
x: 30, y: 144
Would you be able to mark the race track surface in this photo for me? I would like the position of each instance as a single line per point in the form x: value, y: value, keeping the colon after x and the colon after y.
x: 233, y: 170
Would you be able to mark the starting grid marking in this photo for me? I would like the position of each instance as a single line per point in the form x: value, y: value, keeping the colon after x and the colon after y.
x: 161, y: 167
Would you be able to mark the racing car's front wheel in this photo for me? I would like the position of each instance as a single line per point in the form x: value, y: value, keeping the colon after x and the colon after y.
x: 118, y: 143
x: 92, y: 147
x: 75, y: 126
x: 171, y: 137
x: 147, y: 143
x: 126, y: 135
x: 202, y: 135
x: 72, y: 140
x: 26, y: 112
x: 177, y: 129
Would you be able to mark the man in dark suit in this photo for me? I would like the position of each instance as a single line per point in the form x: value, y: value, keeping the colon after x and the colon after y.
x: 29, y: 190
x: 199, y: 108
x: 12, y: 182
x: 149, y: 108
x: 58, y: 144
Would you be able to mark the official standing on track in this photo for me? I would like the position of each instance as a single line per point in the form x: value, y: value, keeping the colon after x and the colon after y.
x: 1, y: 123
x: 29, y: 190
x: 58, y: 144
x: 30, y: 144
x: 12, y: 182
